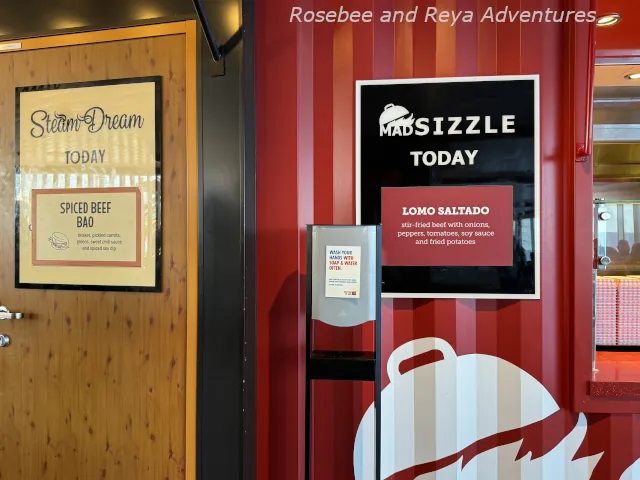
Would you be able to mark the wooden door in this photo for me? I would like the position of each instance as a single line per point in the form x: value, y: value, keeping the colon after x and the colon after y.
x: 94, y: 385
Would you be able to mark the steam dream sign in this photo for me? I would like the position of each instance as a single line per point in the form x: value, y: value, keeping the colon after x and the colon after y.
x: 450, y: 167
x: 88, y: 193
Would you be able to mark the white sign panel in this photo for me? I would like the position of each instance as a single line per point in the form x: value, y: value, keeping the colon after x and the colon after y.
x: 440, y: 132
x: 343, y: 272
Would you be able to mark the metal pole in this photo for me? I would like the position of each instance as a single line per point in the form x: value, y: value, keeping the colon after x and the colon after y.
x: 598, y: 262
x: 308, y: 400
x: 378, y: 355
x: 593, y: 327
x: 208, y: 32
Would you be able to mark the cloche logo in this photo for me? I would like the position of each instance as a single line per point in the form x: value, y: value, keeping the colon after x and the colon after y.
x: 396, y: 121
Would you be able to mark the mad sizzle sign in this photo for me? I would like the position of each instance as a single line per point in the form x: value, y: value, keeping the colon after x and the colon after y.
x: 476, y: 140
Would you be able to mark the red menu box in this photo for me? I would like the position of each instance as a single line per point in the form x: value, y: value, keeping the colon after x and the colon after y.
x: 447, y: 226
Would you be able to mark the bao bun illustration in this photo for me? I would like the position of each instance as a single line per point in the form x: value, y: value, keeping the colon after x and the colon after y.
x: 59, y: 241
x: 437, y: 410
x: 396, y: 115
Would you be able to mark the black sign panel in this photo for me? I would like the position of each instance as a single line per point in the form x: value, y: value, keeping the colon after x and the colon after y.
x: 481, y: 131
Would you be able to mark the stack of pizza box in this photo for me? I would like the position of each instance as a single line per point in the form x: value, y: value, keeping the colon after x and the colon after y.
x: 606, y: 311
x: 628, y: 311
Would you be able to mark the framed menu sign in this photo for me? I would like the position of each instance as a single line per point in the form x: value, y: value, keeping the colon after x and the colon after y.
x: 451, y: 169
x: 88, y: 185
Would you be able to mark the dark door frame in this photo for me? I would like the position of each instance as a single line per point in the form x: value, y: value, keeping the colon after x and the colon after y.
x: 226, y: 434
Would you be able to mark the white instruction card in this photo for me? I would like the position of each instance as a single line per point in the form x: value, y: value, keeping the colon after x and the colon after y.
x: 343, y: 272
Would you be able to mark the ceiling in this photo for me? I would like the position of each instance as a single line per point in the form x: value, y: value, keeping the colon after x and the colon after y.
x: 35, y: 17
x: 613, y: 75
x: 25, y: 18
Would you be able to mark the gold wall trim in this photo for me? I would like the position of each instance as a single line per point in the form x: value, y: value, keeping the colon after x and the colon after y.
x: 192, y: 245
x: 118, y: 34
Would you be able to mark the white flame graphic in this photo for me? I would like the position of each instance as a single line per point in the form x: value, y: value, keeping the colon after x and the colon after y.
x: 405, y: 121
x: 633, y: 472
x: 500, y: 464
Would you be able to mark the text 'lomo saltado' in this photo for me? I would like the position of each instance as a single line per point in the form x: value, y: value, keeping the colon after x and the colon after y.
x: 445, y: 211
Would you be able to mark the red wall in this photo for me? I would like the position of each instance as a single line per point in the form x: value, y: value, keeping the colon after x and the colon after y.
x: 621, y: 40
x: 305, y: 174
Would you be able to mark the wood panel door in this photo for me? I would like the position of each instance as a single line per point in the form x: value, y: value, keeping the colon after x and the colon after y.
x: 98, y: 385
